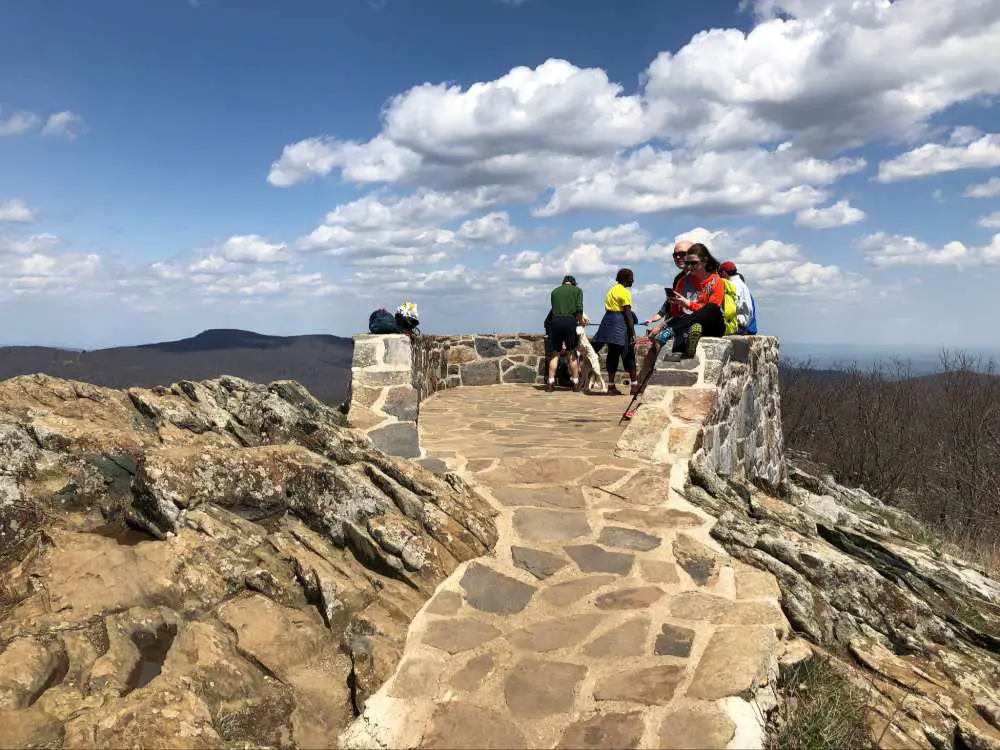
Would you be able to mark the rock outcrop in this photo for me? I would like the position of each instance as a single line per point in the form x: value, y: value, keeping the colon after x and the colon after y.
x: 216, y: 563
x: 918, y: 629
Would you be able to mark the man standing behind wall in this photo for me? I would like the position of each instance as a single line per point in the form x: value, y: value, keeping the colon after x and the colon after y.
x: 567, y: 314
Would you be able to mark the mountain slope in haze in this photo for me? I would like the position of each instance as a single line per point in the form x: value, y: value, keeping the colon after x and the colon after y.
x: 321, y: 363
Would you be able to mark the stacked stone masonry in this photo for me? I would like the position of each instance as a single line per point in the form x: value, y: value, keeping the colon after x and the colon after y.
x: 724, y: 402
x: 442, y: 362
x: 385, y: 402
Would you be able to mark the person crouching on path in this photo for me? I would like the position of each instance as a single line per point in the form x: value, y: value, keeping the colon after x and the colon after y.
x: 746, y: 308
x: 703, y: 305
x: 567, y: 314
x: 617, y: 330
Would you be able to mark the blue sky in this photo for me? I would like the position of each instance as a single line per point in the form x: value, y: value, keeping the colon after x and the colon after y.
x: 286, y: 167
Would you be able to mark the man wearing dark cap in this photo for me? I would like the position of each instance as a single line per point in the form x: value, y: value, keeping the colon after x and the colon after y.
x: 567, y: 314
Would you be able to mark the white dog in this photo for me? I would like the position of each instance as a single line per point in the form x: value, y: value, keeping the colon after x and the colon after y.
x: 590, y: 365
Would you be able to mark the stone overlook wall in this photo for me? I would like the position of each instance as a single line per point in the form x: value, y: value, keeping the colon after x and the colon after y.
x: 742, y: 437
x: 725, y: 403
x: 385, y: 402
x: 391, y: 374
x: 442, y: 362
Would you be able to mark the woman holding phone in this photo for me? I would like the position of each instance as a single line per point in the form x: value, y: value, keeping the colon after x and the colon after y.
x: 696, y: 303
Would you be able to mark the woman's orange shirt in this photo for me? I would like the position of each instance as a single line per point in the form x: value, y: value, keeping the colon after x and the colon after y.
x: 710, y: 290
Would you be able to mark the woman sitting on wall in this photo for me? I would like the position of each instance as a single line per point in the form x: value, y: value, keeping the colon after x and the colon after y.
x: 617, y: 330
x: 700, y: 303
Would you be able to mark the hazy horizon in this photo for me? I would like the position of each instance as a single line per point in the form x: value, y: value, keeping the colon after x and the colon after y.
x: 924, y: 357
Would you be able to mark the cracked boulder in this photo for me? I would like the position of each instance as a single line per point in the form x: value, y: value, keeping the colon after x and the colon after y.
x: 911, y: 626
x: 209, y: 564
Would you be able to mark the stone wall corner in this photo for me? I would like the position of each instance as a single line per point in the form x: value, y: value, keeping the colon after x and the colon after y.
x: 385, y: 403
x: 724, y: 404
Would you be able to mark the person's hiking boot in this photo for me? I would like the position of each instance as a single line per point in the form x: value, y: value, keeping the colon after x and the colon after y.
x: 613, y: 390
x: 694, y: 336
x: 550, y: 387
x: 576, y: 387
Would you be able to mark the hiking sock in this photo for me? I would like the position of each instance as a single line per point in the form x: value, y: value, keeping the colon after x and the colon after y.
x: 665, y: 335
x: 694, y: 335
x: 575, y: 380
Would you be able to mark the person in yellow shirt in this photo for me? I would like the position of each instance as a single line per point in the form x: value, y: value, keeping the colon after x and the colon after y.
x: 617, y: 329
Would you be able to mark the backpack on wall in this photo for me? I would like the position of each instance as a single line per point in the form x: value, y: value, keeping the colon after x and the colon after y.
x: 382, y: 321
x: 729, y: 307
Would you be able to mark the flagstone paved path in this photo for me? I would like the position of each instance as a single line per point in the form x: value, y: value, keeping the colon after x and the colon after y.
x: 607, y: 617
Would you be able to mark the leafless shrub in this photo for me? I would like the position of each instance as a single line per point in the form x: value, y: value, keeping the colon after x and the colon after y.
x: 930, y: 444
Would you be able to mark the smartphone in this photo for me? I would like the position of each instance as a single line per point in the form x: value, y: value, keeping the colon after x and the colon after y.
x: 670, y: 292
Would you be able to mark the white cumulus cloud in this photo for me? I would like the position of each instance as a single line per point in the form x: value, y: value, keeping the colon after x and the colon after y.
x: 492, y: 229
x: 251, y: 248
x: 840, y: 214
x: 35, y: 243
x: 888, y: 250
x: 937, y: 158
x: 18, y: 123
x: 64, y: 124
x: 830, y: 74
x: 752, y: 181
x: 35, y: 266
x: 773, y: 266
x: 990, y: 221
x: 988, y: 189
x: 16, y: 210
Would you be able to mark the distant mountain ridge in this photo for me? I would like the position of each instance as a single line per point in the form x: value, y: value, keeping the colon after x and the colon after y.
x: 321, y: 362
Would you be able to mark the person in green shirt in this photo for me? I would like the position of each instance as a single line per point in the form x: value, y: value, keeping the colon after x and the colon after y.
x: 567, y: 314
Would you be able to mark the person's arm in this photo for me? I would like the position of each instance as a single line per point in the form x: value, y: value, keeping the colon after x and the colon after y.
x: 629, y: 323
x: 579, y: 305
x: 660, y: 314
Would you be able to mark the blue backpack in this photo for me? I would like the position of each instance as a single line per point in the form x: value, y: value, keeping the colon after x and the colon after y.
x: 382, y: 321
x: 752, y: 325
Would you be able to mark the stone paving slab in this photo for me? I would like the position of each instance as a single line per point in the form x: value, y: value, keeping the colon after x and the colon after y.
x: 606, y: 616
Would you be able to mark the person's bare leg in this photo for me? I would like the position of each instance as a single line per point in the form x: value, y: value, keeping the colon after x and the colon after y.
x: 553, y: 366
x: 574, y: 371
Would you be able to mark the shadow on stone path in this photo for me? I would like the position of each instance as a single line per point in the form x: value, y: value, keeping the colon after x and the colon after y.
x: 606, y: 617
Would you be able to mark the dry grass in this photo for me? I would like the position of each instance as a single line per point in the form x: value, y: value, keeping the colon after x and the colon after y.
x: 982, y: 553
x: 822, y: 710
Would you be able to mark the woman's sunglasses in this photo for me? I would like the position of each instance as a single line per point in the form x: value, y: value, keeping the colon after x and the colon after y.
x: 692, y: 263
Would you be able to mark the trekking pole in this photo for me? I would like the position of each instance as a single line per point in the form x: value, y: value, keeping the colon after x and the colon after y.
x: 639, y: 391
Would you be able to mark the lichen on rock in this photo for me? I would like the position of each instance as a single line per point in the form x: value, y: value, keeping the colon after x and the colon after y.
x: 208, y: 564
